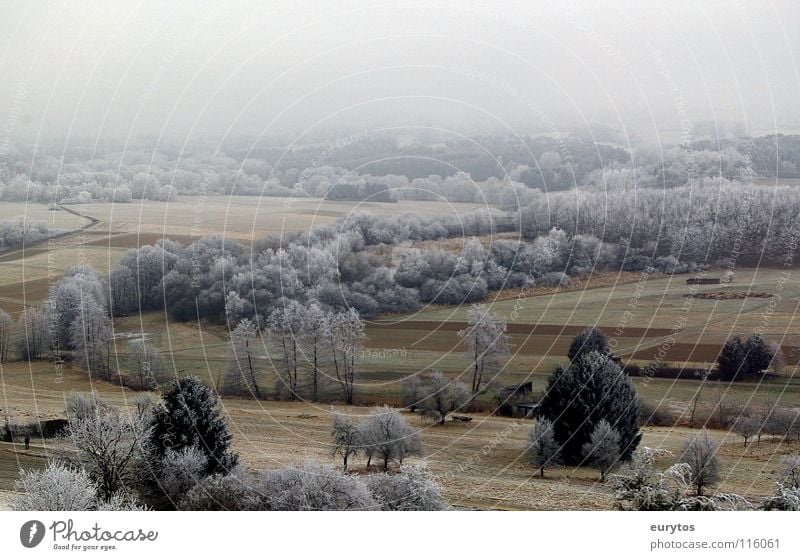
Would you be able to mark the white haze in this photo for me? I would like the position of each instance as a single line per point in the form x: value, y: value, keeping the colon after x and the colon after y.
x: 190, y: 70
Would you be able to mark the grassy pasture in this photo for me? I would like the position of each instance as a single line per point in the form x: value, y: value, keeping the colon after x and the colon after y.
x: 36, y: 212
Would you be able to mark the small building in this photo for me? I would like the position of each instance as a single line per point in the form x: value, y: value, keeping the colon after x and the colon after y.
x: 510, y: 397
x: 519, y: 390
x: 526, y: 410
x: 703, y: 280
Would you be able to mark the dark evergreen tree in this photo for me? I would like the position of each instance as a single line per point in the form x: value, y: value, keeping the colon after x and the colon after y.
x: 188, y: 416
x: 730, y: 360
x: 591, y: 389
x: 590, y: 340
x: 740, y: 359
x: 758, y: 355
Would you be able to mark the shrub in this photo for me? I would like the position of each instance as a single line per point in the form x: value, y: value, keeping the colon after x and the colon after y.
x: 652, y: 414
x: 412, y: 489
x: 222, y: 492
x: 312, y: 488
x: 56, y: 488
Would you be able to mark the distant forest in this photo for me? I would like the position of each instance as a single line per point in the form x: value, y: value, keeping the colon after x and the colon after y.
x: 499, y: 170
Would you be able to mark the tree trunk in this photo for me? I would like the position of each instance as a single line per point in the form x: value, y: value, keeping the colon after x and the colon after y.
x: 315, y: 379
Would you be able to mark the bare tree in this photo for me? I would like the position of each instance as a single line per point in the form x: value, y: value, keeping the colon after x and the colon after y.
x: 244, y: 361
x: 80, y: 406
x: 145, y: 365
x: 702, y: 375
x: 700, y: 453
x: 411, y: 389
x: 543, y: 449
x: 346, y: 438
x: 32, y: 334
x: 487, y: 342
x: 345, y: 333
x: 107, y: 444
x: 746, y: 428
x: 444, y: 396
x: 602, y: 450
x: 314, y: 327
x: 287, y: 327
x: 93, y: 339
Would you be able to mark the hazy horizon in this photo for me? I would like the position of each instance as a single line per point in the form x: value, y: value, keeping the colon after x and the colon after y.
x: 178, y: 71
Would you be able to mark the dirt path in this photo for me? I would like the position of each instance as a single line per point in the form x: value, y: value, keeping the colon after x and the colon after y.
x: 43, y: 245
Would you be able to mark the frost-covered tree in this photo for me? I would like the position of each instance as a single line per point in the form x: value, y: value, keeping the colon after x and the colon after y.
x: 233, y: 491
x: 122, y: 294
x: 412, y: 489
x: 602, y: 450
x: 107, y: 443
x: 314, y: 326
x: 32, y: 334
x: 543, y: 449
x: 700, y: 453
x: 641, y: 486
x: 787, y: 488
x: 245, y: 363
x: 68, y: 298
x: 346, y: 438
x: 178, y: 472
x: 443, y: 396
x: 59, y: 487
x: 487, y: 343
x: 82, y: 406
x: 386, y: 435
x: 286, y: 326
x: 312, y: 488
x: 345, y: 334
x: 93, y: 339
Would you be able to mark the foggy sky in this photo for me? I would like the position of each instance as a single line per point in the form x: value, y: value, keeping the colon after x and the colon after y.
x: 191, y: 70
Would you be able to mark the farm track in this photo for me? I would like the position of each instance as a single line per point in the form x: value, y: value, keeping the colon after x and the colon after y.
x: 44, y: 245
